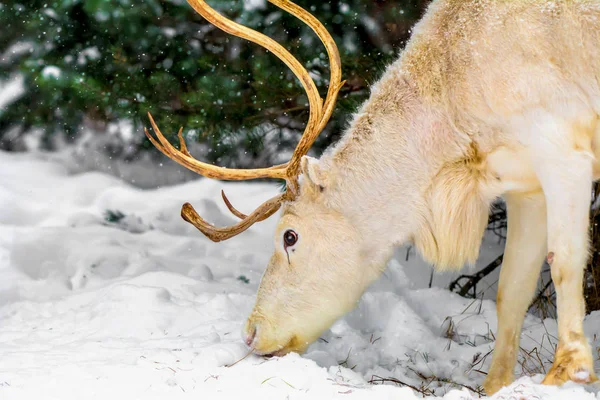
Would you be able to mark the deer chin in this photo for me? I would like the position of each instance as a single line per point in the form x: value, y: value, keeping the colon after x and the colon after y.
x: 267, y: 341
x: 269, y: 348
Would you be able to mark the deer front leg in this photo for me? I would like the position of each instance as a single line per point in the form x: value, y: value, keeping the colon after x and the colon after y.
x: 523, y: 257
x: 565, y: 173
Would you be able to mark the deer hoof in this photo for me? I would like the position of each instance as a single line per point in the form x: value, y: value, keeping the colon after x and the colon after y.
x: 571, y: 363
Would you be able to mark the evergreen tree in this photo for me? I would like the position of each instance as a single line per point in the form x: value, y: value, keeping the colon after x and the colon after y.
x: 91, y: 62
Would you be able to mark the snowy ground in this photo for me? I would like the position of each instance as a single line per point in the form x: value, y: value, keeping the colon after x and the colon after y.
x: 106, y: 293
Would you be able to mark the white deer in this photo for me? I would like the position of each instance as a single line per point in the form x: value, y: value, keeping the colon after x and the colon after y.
x: 489, y: 98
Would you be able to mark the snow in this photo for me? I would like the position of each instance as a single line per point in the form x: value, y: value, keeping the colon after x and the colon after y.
x: 11, y: 90
x: 169, y: 32
x: 14, y: 50
x: 90, y: 53
x: 250, y: 5
x: 51, y: 71
x: 50, y: 13
x: 107, y: 293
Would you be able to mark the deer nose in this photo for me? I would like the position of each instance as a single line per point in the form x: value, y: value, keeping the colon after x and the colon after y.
x: 250, y: 335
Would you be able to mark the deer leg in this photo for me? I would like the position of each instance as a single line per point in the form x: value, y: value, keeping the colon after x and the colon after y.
x: 565, y: 173
x: 523, y: 258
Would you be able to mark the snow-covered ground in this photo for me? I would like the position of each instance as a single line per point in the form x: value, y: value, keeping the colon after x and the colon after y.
x: 105, y: 293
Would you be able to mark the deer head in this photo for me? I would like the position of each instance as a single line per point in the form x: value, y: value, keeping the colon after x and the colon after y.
x: 315, y: 245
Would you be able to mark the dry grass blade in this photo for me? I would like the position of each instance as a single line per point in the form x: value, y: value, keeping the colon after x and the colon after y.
x: 378, y: 379
x: 241, y: 359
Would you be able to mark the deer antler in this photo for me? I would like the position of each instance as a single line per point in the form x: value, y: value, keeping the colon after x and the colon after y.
x: 263, y: 212
x: 319, y: 115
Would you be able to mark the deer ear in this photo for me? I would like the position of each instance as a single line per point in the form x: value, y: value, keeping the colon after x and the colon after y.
x: 313, y: 173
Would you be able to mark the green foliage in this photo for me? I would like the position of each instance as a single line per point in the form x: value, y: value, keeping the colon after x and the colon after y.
x: 113, y: 216
x: 98, y: 61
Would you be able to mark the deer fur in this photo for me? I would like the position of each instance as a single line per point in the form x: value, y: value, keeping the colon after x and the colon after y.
x: 488, y: 99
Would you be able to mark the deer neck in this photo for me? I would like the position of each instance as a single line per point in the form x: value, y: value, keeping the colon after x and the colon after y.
x: 395, y: 172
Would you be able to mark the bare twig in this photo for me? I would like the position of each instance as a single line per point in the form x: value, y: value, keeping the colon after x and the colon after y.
x: 473, y: 280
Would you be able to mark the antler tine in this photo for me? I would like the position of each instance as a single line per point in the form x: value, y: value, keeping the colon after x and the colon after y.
x: 234, y: 210
x: 335, y: 82
x: 231, y: 208
x: 335, y: 63
x: 182, y: 145
x: 215, y: 234
x: 184, y: 158
x: 235, y: 29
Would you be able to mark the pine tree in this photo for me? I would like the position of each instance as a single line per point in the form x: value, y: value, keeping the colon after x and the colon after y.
x: 93, y: 62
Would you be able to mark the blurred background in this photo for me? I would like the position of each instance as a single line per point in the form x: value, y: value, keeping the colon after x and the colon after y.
x: 89, y: 70
x: 77, y: 78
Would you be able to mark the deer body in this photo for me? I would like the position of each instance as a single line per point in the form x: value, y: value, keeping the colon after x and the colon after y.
x: 461, y: 117
x: 489, y: 98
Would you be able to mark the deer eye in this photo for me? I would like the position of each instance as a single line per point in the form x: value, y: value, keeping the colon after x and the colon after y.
x: 290, y: 238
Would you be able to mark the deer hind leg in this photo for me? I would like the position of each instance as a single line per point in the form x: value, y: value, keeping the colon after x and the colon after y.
x: 523, y: 258
x: 564, y: 169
